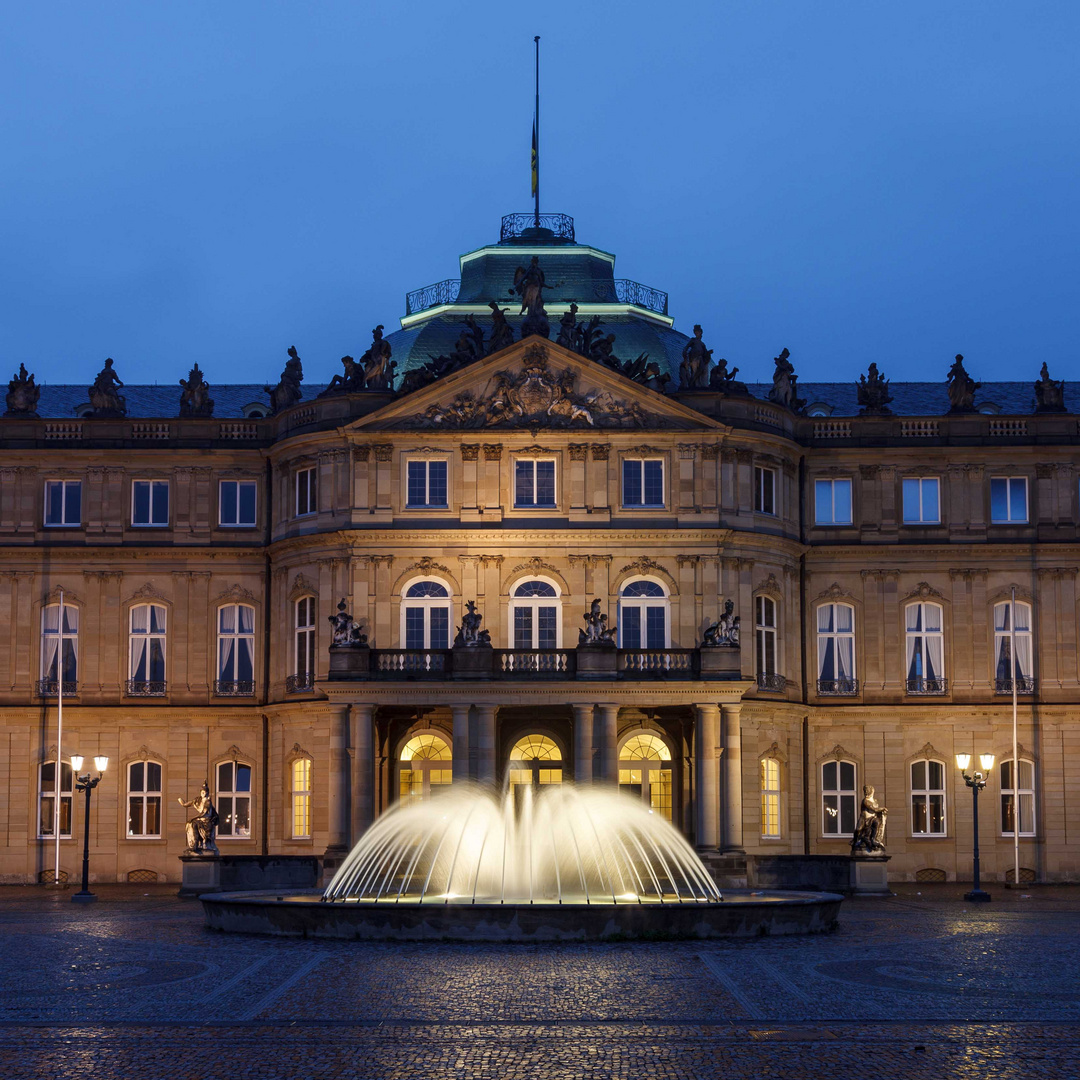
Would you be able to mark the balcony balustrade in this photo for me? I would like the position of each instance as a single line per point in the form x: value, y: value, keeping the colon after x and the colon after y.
x: 838, y: 687
x: 927, y: 686
x: 1025, y: 684
x: 145, y: 687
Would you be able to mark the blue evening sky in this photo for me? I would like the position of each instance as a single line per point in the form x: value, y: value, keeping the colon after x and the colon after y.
x: 855, y: 181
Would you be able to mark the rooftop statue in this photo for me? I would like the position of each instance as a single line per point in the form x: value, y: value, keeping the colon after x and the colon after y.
x: 469, y: 635
x: 597, y: 631
x: 785, y: 384
x: 568, y: 329
x: 1049, y: 393
x: 502, y: 333
x: 287, y: 392
x: 352, y: 382
x: 870, y: 828
x: 529, y: 285
x: 345, y: 630
x: 104, y: 399
x: 961, y: 387
x: 23, y: 394
x: 724, y: 633
x: 378, y: 367
x: 477, y: 345
x: 872, y: 391
x: 201, y: 828
x: 195, y: 399
x: 694, y: 369
x: 723, y: 380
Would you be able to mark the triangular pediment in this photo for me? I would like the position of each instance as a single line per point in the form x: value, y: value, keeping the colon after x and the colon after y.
x: 534, y: 384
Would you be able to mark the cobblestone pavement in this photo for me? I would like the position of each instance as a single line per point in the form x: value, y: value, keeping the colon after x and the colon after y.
x: 919, y: 985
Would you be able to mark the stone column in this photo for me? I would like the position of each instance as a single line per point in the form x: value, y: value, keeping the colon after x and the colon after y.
x: 337, y: 787
x: 607, y: 736
x: 361, y: 749
x: 583, y: 743
x: 461, y: 742
x: 732, y: 838
x: 485, y: 740
x: 706, y: 799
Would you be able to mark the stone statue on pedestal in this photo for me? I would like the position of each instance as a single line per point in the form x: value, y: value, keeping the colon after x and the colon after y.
x: 724, y: 632
x: 104, y: 399
x: 961, y: 387
x: 195, y: 399
x: 785, y: 389
x: 1049, y: 393
x: 596, y: 631
x: 694, y: 369
x: 469, y: 635
x: 872, y: 392
x: 287, y: 392
x: 202, y: 828
x: 376, y: 362
x: 529, y: 285
x: 23, y: 394
x: 870, y: 828
x: 345, y: 630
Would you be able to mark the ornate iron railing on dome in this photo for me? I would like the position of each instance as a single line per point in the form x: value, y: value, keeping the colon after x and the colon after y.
x: 523, y: 226
x: 442, y: 292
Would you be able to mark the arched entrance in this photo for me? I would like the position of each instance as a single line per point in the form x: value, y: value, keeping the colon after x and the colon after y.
x: 425, y: 764
x: 535, y: 761
x: 645, y: 772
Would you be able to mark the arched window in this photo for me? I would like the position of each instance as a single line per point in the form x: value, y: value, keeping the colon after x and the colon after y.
x: 47, y: 798
x: 770, y: 798
x: 236, y: 651
x: 766, y: 644
x: 57, y: 642
x: 234, y: 799
x: 838, y: 798
x: 303, y: 673
x: 927, y: 798
x: 535, y: 761
x: 144, y: 799
x: 1009, y: 792
x: 535, y: 615
x: 645, y: 772
x: 146, y: 652
x: 643, y: 616
x: 925, y: 649
x: 836, y: 649
x: 301, y: 798
x: 426, y: 763
x: 1004, y: 632
x: 425, y: 615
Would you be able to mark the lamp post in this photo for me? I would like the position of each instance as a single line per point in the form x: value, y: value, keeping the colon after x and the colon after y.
x: 85, y: 783
x: 976, y: 782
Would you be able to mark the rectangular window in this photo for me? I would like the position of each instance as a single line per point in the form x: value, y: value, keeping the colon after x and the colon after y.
x: 770, y: 798
x: 306, y: 492
x: 63, y: 502
x: 47, y: 798
x: 764, y: 490
x: 144, y: 799
x: 838, y: 798
x: 1009, y: 793
x: 832, y: 502
x: 150, y: 502
x: 921, y: 505
x: 234, y: 799
x: 426, y: 482
x: 1008, y: 500
x: 765, y: 632
x: 534, y: 484
x: 301, y: 799
x: 927, y: 798
x: 236, y: 503
x: 643, y: 482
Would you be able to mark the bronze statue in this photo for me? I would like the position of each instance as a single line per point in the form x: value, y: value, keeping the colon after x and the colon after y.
x: 352, y: 382
x: 203, y: 826
x: 345, y: 630
x: 596, y: 631
x: 1049, y: 393
x: 502, y: 333
x: 378, y: 367
x: 694, y: 369
x: 23, y: 394
x: 961, y: 387
x: 104, y: 399
x: 724, y: 633
x: 872, y: 391
x: 195, y: 399
x: 870, y: 828
x: 287, y: 392
x: 469, y: 635
x: 785, y: 384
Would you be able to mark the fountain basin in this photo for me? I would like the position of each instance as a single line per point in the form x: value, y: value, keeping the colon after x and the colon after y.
x: 740, y: 914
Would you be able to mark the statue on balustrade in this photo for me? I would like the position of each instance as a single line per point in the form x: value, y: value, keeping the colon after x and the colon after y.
x: 723, y: 380
x: 104, y: 399
x: 724, y: 633
x: 23, y: 394
x: 201, y: 828
x: 529, y: 285
x: 694, y: 369
x: 502, y: 333
x: 869, y: 833
x: 568, y: 329
x: 872, y: 392
x: 469, y: 635
x: 376, y: 362
x: 352, y: 382
x: 345, y: 630
x: 597, y: 631
x: 961, y: 387
x: 785, y: 384
x: 1049, y: 393
x: 287, y: 392
x: 195, y: 399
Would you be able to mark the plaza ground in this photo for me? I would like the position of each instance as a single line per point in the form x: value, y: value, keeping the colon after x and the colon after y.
x: 921, y: 984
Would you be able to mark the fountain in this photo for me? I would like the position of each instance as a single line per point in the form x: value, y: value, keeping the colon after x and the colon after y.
x: 571, y: 863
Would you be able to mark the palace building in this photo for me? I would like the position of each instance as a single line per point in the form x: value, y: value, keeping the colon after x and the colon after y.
x: 174, y: 568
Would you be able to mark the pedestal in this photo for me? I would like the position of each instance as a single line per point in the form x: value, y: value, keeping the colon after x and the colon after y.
x: 597, y: 661
x: 471, y: 662
x: 350, y: 662
x: 201, y: 874
x: 869, y: 875
x: 720, y: 662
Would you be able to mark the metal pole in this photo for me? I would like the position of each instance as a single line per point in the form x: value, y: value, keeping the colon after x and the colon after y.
x: 976, y: 888
x: 536, y: 211
x: 86, y: 842
x: 1015, y: 762
x: 57, y: 784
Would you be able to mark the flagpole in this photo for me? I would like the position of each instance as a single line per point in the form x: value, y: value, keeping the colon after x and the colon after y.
x: 1016, y: 763
x: 536, y: 125
x: 58, y: 792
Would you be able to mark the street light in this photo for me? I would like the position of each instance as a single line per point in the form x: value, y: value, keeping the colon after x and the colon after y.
x: 976, y: 782
x: 85, y: 783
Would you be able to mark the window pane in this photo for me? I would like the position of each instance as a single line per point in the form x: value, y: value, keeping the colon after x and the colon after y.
x: 654, y: 628
x: 161, y: 502
x: 546, y: 627
x: 414, y: 628
x: 545, y: 483
x: 937, y: 775
x: 842, y: 502
x: 135, y: 816
x: 523, y: 483
x: 153, y: 815
x: 654, y: 483
x: 247, y: 502
x: 437, y: 483
x: 828, y: 776
x: 930, y: 510
x: 54, y: 502
x: 1018, y: 499
x: 631, y: 628
x: 245, y: 667
x: 999, y: 500
x: 227, y: 498
x: 937, y: 813
x: 847, y: 776
x: 847, y: 813
x: 243, y: 817
x: 247, y: 619
x: 417, y: 486
x: 1027, y: 774
x: 73, y: 502
x: 440, y: 628
x: 918, y: 814
x: 243, y: 777
x: 135, y: 776
x: 823, y: 502
x: 918, y: 776
x: 153, y: 776
x: 631, y: 482
x: 523, y: 628
x: 141, y: 495
x: 831, y: 819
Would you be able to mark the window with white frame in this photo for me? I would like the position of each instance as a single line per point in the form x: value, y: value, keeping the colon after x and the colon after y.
x: 921, y: 500
x: 836, y: 649
x: 144, y: 799
x: 306, y: 489
x: 534, y: 483
x: 927, y: 798
x: 770, y: 798
x: 59, y: 647
x: 765, y: 638
x: 301, y: 798
x: 1004, y: 635
x: 150, y: 502
x: 764, y: 490
x: 303, y: 644
x: 426, y: 485
x: 925, y: 649
x: 832, y: 502
x: 236, y: 650
x: 643, y: 616
x: 1008, y: 500
x: 1010, y: 792
x: 643, y: 483
x: 234, y: 799
x: 146, y: 650
x: 838, y: 798
x: 534, y: 615
x: 47, y: 795
x: 236, y: 503
x: 426, y: 615
x: 63, y: 503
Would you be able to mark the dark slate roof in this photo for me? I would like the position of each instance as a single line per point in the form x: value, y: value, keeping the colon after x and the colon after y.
x: 572, y: 274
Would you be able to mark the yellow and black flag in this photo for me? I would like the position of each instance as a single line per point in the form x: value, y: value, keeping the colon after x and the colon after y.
x: 535, y: 162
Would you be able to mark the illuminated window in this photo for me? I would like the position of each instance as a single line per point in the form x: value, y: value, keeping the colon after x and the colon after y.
x: 770, y: 798
x: 1009, y: 793
x: 645, y: 772
x: 927, y: 798
x: 838, y: 798
x: 234, y: 799
x: 535, y: 761
x: 925, y: 649
x: 426, y: 616
x: 47, y: 798
x: 426, y: 764
x: 301, y: 798
x: 643, y: 616
x: 534, y: 616
x: 144, y: 799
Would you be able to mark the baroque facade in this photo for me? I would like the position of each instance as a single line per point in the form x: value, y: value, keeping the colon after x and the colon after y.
x: 871, y: 556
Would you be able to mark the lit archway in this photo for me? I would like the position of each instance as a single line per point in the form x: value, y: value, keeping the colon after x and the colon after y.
x: 645, y: 772
x: 535, y: 762
x: 425, y: 763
